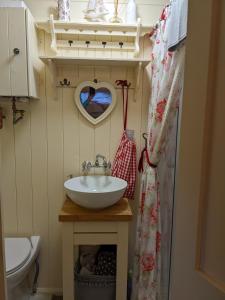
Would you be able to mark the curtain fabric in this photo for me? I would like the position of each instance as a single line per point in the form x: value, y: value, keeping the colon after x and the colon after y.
x: 167, y: 81
x: 64, y: 10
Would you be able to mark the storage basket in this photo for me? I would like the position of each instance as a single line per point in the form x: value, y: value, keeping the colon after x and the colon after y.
x: 94, y: 287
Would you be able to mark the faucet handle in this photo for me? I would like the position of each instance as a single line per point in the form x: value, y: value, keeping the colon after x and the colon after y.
x: 109, y: 165
x: 84, y: 165
x: 108, y: 168
x: 88, y: 166
x: 105, y: 164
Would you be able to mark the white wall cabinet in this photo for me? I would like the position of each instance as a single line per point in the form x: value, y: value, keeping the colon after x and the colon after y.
x: 19, y: 62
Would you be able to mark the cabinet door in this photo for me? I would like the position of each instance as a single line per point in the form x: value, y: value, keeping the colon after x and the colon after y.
x: 5, y: 87
x: 18, y: 62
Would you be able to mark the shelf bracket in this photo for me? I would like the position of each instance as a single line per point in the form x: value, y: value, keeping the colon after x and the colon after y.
x: 52, y: 71
x: 52, y: 31
x: 137, y: 39
x: 138, y: 80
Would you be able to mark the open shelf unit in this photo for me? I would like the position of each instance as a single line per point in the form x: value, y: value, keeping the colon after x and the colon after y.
x: 137, y: 64
x: 75, y: 39
x: 104, y: 36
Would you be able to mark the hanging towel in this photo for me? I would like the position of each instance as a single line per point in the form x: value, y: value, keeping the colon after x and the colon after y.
x: 177, y: 26
x: 125, y: 162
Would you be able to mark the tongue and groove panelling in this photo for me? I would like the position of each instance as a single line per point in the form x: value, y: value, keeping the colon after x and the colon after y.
x: 53, y: 139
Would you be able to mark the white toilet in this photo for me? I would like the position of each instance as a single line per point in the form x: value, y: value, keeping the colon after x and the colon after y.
x: 20, y: 254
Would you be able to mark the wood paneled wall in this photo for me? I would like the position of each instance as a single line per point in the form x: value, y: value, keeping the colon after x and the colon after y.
x: 40, y: 152
x: 2, y: 254
x: 51, y: 142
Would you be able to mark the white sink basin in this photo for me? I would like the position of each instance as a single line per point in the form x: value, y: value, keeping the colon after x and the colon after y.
x: 95, y: 192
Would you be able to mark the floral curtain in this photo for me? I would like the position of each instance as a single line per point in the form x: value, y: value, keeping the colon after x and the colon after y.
x: 167, y: 81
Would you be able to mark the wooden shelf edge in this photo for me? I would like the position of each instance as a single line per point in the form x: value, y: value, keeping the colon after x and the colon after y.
x: 120, y: 27
x: 95, y: 61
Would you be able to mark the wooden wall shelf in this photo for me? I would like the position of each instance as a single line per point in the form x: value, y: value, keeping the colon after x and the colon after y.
x: 63, y: 60
x: 104, y: 36
x: 137, y: 63
x: 114, y: 28
x: 105, y: 44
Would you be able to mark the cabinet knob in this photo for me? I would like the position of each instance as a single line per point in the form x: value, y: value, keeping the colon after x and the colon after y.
x: 16, y: 51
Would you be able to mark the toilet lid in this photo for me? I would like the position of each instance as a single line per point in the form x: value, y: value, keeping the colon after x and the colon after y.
x: 17, y: 252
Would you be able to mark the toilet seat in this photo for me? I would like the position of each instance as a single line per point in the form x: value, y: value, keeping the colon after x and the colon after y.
x: 17, y: 252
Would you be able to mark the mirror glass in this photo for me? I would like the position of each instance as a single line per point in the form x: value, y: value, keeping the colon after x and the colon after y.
x: 95, y: 101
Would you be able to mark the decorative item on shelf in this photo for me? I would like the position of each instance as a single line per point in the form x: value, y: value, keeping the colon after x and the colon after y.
x: 95, y: 100
x: 64, y: 10
x: 116, y: 18
x: 131, y: 13
x: 95, y: 11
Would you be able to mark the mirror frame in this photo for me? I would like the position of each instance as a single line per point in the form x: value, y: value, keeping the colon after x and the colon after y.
x: 95, y: 85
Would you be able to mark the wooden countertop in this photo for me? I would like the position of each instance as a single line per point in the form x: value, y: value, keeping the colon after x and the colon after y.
x: 71, y: 212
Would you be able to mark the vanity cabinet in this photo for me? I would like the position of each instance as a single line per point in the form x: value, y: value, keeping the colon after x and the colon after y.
x: 81, y: 226
x: 19, y: 62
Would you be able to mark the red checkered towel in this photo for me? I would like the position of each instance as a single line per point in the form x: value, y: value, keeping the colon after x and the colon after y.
x: 125, y: 162
x: 124, y: 165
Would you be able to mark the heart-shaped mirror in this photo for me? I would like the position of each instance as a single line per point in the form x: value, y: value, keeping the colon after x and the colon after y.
x: 95, y: 100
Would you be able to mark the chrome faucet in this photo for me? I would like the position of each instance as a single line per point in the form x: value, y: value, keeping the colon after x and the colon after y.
x: 106, y: 165
x: 97, y: 163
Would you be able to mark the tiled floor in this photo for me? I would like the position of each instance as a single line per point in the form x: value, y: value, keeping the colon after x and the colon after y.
x: 41, y: 297
x: 23, y: 292
x: 37, y: 297
x: 45, y: 297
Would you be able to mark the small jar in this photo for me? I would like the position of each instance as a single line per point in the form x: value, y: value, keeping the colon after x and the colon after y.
x: 64, y: 10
